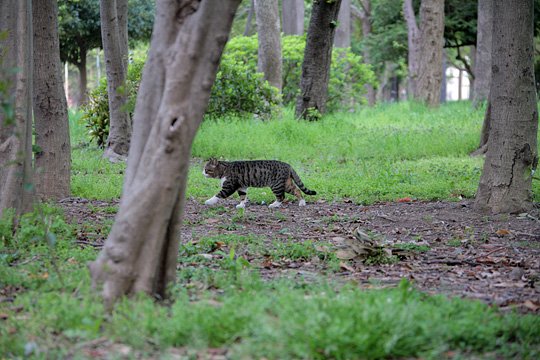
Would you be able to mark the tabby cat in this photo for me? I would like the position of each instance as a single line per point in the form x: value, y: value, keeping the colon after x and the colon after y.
x: 239, y: 175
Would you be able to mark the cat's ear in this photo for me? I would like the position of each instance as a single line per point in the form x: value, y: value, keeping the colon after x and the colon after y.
x: 212, y: 161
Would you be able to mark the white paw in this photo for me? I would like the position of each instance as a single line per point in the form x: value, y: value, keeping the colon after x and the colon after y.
x: 212, y: 201
x: 242, y: 205
x: 275, y: 204
x: 302, y: 202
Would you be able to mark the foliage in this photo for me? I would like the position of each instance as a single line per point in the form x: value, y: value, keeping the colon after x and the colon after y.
x: 79, y: 28
x: 96, y: 112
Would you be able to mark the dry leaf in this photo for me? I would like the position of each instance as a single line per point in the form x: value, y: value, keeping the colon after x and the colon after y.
x: 531, y: 305
x: 404, y: 200
x: 502, y: 232
x: 345, y: 254
x: 345, y: 266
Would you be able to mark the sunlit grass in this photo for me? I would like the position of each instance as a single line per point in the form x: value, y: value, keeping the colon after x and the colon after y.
x: 377, y: 154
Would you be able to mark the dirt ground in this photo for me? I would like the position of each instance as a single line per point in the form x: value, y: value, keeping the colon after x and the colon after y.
x: 495, y: 259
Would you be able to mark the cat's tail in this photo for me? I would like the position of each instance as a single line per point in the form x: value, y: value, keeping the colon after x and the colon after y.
x: 300, y: 184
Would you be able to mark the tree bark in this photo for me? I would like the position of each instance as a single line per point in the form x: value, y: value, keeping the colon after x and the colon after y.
x: 83, y: 82
x: 482, y: 68
x: 53, y: 158
x: 512, y: 150
x: 113, y: 15
x: 293, y: 17
x: 317, y: 59
x: 425, y: 41
x: 342, y: 38
x: 140, y: 254
x: 16, y: 126
x: 247, y: 30
x: 269, y: 59
x: 364, y: 13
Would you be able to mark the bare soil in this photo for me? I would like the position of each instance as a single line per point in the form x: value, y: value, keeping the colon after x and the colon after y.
x: 492, y: 258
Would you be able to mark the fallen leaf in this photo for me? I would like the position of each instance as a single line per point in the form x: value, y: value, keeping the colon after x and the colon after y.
x: 345, y: 254
x: 404, y: 200
x: 531, y: 305
x: 345, y: 266
x: 502, y: 232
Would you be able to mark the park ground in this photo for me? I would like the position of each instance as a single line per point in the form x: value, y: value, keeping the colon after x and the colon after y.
x: 389, y: 260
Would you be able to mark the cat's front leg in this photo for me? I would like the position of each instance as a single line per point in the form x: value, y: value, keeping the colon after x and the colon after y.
x: 212, y: 201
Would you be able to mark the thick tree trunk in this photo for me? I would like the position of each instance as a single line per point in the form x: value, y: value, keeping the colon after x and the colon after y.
x: 425, y: 43
x: 293, y: 17
x: 16, y: 126
x: 113, y: 15
x: 482, y: 68
x: 269, y: 62
x: 83, y: 82
x: 140, y: 254
x: 317, y: 59
x: 342, y: 38
x: 53, y: 158
x: 512, y: 150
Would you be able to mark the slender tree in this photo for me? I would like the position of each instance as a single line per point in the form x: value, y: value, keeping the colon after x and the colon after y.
x: 482, y: 69
x: 364, y: 14
x: 317, y: 59
x: 79, y: 32
x: 268, y: 32
x: 53, y: 156
x: 293, y: 17
x: 140, y: 254
x: 425, y: 42
x: 512, y: 151
x: 16, y: 94
x: 115, y: 48
x: 342, y: 38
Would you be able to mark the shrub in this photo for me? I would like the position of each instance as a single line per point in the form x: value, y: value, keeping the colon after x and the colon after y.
x: 239, y: 89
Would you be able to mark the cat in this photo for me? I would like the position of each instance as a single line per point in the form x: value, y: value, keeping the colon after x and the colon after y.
x: 239, y: 175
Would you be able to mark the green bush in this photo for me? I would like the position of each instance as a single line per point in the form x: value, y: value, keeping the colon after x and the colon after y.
x: 96, y: 112
x: 239, y: 89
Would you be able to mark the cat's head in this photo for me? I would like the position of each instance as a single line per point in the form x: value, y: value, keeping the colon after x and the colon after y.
x: 213, y: 168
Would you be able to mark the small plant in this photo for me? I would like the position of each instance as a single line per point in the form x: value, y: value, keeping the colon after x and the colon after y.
x: 412, y: 247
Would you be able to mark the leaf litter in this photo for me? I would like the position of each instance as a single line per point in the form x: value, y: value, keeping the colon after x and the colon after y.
x: 442, y: 247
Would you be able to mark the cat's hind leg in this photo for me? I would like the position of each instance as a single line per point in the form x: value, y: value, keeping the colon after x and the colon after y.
x: 292, y: 189
x: 243, y: 198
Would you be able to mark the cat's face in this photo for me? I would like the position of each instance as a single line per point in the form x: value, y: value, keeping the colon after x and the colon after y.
x: 212, y: 169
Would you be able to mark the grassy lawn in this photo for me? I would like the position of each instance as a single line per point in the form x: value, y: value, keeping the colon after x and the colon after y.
x: 49, y: 310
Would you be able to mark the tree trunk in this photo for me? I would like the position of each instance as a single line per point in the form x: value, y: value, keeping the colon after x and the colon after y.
x: 53, y: 157
x: 482, y: 68
x: 16, y: 125
x: 443, y: 80
x: 83, y: 82
x: 293, y: 17
x: 113, y: 15
x: 365, y: 18
x: 342, y: 38
x: 247, y: 30
x: 425, y: 41
x: 512, y: 151
x: 269, y: 62
x: 311, y: 102
x: 140, y: 254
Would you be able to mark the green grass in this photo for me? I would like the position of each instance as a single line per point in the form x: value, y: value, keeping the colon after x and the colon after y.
x: 377, y: 154
x: 222, y: 301
x: 234, y: 308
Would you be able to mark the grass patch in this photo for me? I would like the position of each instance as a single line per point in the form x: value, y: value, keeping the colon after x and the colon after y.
x: 377, y: 154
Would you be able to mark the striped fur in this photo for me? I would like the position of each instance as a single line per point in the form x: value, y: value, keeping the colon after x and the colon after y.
x: 237, y: 176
